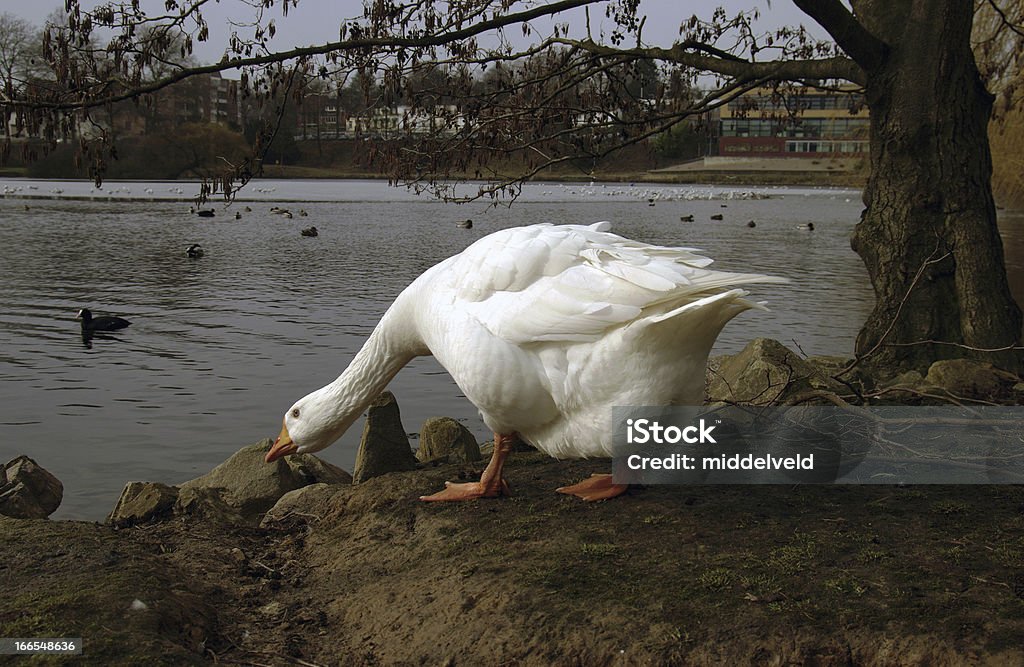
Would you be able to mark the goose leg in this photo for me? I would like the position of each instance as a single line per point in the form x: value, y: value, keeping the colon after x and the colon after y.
x: 596, y: 487
x: 491, y: 484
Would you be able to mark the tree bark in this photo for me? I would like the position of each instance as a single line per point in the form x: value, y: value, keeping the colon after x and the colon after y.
x: 928, y: 233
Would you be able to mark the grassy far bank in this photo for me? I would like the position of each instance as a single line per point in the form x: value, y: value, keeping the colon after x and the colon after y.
x: 150, y: 158
x: 696, y: 177
x: 367, y: 575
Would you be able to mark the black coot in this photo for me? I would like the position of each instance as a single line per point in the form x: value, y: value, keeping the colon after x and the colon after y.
x: 104, y: 323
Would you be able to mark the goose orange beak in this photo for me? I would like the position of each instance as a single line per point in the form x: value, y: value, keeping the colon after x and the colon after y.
x: 283, y: 446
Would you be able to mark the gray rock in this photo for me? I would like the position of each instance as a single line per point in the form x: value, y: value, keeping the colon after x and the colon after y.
x: 304, y: 501
x: 831, y: 365
x: 29, y: 491
x: 247, y: 486
x: 765, y: 372
x: 16, y: 501
x: 316, y: 471
x: 141, y: 502
x: 970, y: 378
x: 384, y: 447
x: 445, y: 439
x: 904, y: 385
x: 211, y: 505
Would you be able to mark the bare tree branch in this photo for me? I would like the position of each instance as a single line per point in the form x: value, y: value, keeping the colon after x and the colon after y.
x: 851, y: 36
x: 692, y: 55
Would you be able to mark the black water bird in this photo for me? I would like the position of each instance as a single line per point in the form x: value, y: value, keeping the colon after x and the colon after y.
x: 205, y: 213
x: 309, y: 231
x: 194, y: 251
x: 92, y: 324
x: 809, y: 227
x: 751, y: 224
x: 686, y: 218
x: 465, y: 224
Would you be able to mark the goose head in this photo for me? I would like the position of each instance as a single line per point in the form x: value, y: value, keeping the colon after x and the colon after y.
x: 313, y: 423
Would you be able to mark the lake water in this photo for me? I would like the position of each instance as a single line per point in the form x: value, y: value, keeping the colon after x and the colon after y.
x: 220, y: 346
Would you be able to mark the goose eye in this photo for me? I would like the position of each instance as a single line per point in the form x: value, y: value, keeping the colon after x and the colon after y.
x: 295, y: 413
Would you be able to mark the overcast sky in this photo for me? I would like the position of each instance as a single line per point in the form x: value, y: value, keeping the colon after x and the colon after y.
x: 317, y: 21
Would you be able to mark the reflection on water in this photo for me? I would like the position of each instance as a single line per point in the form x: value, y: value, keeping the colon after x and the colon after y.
x: 220, y: 346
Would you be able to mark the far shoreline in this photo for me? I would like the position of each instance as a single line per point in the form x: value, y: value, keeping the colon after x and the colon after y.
x: 708, y: 177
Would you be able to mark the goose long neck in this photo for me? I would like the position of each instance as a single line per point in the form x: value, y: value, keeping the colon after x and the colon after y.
x: 385, y: 352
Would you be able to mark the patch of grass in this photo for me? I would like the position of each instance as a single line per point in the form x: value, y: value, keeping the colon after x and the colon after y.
x: 591, y: 550
x: 955, y: 554
x: 760, y: 584
x: 790, y: 605
x: 1009, y: 556
x: 872, y: 554
x: 794, y: 558
x: 846, y: 585
x: 680, y: 636
x: 37, y: 617
x: 950, y: 507
x: 715, y: 579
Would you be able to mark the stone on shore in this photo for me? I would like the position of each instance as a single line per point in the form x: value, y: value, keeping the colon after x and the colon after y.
x: 245, y: 486
x: 141, y: 502
x: 213, y: 505
x: 317, y: 471
x: 765, y: 372
x: 445, y: 439
x: 970, y: 378
x: 384, y: 446
x: 298, y: 502
x: 27, y: 490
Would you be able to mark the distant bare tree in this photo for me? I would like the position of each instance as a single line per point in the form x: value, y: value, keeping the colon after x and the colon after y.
x: 19, y: 53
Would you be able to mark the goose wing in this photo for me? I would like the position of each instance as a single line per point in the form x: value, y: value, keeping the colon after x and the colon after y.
x: 574, y: 283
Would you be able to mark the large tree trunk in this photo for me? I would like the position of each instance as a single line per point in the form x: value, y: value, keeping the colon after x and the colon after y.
x: 928, y: 235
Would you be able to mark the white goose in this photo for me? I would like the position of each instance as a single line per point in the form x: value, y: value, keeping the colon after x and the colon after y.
x: 544, y: 328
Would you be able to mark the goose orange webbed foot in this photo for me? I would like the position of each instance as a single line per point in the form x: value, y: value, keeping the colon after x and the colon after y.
x: 468, y: 491
x: 596, y: 487
x: 491, y: 484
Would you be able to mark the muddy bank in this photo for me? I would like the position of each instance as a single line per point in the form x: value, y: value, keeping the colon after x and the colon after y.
x: 291, y: 564
x: 364, y: 575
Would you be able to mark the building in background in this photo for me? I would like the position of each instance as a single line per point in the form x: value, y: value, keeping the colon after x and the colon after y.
x: 805, y: 122
x: 219, y: 101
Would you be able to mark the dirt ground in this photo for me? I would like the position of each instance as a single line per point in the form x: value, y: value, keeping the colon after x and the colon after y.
x: 367, y: 575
